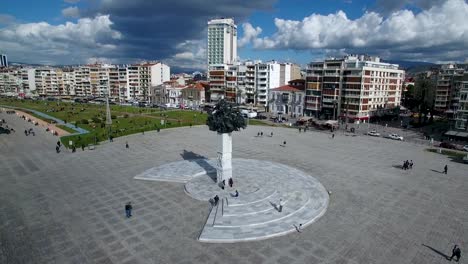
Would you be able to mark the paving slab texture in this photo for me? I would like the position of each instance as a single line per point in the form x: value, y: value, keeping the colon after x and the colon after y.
x: 254, y: 214
x: 68, y: 207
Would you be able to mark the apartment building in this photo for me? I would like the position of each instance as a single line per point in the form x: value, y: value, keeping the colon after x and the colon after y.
x: 222, y: 41
x: 461, y: 96
x: 445, y: 86
x: 355, y: 87
x: 3, y: 60
x: 248, y: 82
x: 121, y: 82
x: 10, y: 81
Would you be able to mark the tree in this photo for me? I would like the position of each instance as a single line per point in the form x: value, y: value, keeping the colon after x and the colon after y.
x: 424, y: 95
x: 225, y: 119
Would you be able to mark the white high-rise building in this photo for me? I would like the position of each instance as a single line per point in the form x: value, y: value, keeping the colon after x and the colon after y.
x: 3, y: 60
x: 222, y: 41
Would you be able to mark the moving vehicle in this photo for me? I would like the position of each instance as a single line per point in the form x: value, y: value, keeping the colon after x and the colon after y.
x: 447, y: 145
x: 248, y: 114
x: 395, y: 137
x: 373, y: 133
x: 465, y: 148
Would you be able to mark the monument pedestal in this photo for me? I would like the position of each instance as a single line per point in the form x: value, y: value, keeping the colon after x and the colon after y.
x: 224, y: 169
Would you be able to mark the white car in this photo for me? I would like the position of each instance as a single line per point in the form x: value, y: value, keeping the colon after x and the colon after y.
x: 395, y: 137
x: 373, y: 133
x: 465, y: 148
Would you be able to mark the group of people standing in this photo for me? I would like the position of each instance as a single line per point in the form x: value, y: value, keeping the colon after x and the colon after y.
x: 407, y: 165
x: 214, y: 201
x: 29, y: 132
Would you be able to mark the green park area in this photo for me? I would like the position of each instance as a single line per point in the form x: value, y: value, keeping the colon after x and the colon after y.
x: 92, y: 117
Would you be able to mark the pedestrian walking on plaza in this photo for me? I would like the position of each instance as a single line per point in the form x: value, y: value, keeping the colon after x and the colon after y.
x: 126, y: 144
x: 445, y: 169
x: 281, y: 203
x: 223, y: 183
x: 258, y: 134
x: 73, y: 149
x: 57, y: 148
x: 299, y: 130
x: 284, y: 144
x: 216, y: 200
x: 111, y: 138
x: 25, y: 132
x: 82, y: 147
x: 261, y: 134
x: 333, y: 135
x: 411, y: 165
x: 236, y: 194
x: 456, y: 252
x: 271, y: 134
x: 128, y: 209
x: 231, y: 182
x: 58, y: 143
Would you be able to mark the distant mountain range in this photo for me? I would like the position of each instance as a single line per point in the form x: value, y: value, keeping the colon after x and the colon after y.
x: 412, y: 67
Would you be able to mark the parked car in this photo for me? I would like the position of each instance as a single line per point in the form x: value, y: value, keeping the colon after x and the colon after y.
x: 465, y: 148
x: 395, y: 137
x: 373, y: 133
x: 447, y: 145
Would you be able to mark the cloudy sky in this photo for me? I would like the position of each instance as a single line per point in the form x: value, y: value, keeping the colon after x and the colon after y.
x: 174, y: 31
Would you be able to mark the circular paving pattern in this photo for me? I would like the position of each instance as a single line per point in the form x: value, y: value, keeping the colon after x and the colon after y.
x: 254, y: 214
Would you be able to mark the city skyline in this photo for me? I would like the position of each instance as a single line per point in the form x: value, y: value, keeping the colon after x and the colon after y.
x: 79, y: 32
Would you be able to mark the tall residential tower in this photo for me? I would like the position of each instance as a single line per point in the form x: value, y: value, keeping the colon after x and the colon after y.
x: 222, y: 41
x: 3, y: 60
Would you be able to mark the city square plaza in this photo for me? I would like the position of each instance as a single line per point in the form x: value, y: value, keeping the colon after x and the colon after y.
x: 354, y: 201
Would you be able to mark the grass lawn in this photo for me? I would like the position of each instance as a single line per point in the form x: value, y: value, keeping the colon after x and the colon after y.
x: 454, y: 154
x: 126, y: 120
x: 257, y: 122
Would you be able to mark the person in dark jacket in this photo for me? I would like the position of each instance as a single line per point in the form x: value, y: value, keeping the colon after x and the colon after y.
x: 456, y: 252
x: 128, y: 209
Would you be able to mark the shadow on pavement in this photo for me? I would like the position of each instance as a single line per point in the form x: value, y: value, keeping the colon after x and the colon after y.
x: 202, y: 161
x: 436, y: 251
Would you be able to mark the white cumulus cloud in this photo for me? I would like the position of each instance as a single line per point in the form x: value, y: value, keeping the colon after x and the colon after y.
x: 433, y: 33
x: 65, y: 43
x: 249, y: 34
x: 71, y: 11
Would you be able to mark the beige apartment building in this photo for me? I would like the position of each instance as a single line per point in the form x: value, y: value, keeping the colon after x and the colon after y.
x: 355, y: 87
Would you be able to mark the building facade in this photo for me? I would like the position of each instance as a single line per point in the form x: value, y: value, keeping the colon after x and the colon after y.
x: 222, y: 41
x: 248, y: 82
x: 122, y: 83
x: 354, y: 87
x: 461, y: 98
x: 286, y: 100
x: 193, y: 95
x: 445, y: 94
x: 3, y: 60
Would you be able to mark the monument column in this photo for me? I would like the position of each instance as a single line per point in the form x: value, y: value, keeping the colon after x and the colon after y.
x: 224, y: 170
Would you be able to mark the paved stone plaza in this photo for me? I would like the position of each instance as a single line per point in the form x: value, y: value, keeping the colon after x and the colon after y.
x: 68, y: 207
x: 255, y: 213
